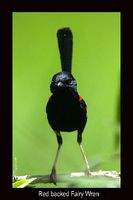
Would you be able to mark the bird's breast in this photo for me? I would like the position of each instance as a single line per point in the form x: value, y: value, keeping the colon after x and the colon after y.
x: 64, y: 112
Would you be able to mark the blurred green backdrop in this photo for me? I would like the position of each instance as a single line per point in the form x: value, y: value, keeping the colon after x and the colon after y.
x: 96, y: 67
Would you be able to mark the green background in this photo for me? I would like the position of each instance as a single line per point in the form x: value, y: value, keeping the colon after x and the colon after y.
x: 96, y: 67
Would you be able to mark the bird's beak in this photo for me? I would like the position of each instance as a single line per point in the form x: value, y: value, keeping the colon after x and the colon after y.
x: 60, y: 84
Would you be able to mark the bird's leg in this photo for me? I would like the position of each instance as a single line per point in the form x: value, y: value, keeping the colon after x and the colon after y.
x: 53, y: 171
x: 79, y: 140
x: 85, y: 160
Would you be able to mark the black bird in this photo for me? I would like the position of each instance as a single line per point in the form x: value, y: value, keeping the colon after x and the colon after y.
x: 66, y: 109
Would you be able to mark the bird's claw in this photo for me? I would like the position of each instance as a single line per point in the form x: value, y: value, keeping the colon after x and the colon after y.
x: 87, y: 171
x: 53, y: 178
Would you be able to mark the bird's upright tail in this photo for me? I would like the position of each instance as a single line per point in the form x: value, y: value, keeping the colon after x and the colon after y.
x: 65, y: 44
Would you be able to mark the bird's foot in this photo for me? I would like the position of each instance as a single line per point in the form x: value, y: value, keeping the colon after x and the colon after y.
x: 87, y: 171
x: 53, y: 178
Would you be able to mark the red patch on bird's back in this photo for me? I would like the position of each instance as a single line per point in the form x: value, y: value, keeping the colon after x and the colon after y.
x: 80, y: 98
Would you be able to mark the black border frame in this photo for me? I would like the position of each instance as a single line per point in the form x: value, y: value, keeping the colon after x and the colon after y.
x: 6, y: 87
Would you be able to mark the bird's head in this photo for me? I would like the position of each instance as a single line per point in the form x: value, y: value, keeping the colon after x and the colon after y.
x: 63, y: 81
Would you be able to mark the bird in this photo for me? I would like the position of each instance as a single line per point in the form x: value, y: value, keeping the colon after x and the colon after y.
x: 66, y: 110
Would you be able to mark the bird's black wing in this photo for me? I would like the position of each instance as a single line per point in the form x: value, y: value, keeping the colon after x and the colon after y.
x: 83, y: 118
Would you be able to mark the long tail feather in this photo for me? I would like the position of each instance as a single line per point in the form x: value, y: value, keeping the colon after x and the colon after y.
x: 65, y: 44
